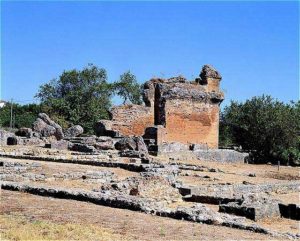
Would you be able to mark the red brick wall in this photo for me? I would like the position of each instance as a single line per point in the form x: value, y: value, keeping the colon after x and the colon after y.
x: 192, y: 122
x: 132, y: 119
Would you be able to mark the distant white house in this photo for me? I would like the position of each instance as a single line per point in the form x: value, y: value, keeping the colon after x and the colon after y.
x: 2, y: 103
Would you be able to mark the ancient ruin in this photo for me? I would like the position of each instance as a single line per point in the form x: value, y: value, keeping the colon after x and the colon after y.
x: 175, y: 110
x: 160, y: 158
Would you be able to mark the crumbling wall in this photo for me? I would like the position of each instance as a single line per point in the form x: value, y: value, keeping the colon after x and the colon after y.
x: 136, y: 119
x: 189, y: 113
x: 127, y: 120
x: 192, y: 122
x: 209, y: 78
x: 149, y: 91
x: 186, y: 112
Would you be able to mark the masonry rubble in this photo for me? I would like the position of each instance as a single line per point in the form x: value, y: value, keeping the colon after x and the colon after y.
x: 139, y: 201
x: 156, y: 187
x: 74, y: 131
x: 47, y: 127
x: 179, y: 120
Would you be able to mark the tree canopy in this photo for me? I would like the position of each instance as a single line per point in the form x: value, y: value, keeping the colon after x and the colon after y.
x: 23, y: 115
x: 77, y: 97
x: 264, y: 126
x: 128, y: 88
x: 84, y: 96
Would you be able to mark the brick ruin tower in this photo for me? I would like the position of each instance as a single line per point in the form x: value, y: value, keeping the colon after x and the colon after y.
x: 175, y: 111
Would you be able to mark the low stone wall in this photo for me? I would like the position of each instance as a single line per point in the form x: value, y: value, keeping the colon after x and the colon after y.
x: 216, y: 193
x: 4, y: 135
x: 253, y: 206
x: 186, y: 152
x: 250, y: 201
x: 197, y: 213
x: 92, y: 162
x: 220, y: 155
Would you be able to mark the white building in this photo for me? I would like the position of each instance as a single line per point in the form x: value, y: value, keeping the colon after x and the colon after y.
x: 2, y: 103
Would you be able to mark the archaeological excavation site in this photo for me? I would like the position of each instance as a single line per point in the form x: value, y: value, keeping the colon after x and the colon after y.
x: 160, y: 159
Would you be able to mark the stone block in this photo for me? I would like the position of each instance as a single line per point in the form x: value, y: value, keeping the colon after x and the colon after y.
x: 220, y: 155
x: 59, y: 145
x: 253, y: 206
x: 74, y: 131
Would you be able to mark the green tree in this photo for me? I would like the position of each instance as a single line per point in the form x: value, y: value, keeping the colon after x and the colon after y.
x: 264, y: 126
x: 225, y: 134
x: 23, y: 115
x: 128, y: 88
x: 77, y: 97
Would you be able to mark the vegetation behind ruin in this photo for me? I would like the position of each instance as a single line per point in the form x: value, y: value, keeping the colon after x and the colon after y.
x: 75, y: 97
x: 267, y: 128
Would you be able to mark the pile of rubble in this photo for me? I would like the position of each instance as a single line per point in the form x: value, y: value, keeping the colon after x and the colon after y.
x: 179, y: 120
x: 45, y: 132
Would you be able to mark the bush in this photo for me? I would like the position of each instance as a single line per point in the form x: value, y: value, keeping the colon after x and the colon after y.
x: 268, y: 128
x: 292, y: 155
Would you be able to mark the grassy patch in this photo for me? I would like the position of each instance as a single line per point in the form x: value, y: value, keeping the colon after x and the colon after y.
x: 13, y: 227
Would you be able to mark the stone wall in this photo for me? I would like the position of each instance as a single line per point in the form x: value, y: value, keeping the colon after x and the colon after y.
x: 189, y: 113
x: 192, y: 122
x: 221, y: 155
x: 185, y: 111
x: 127, y: 120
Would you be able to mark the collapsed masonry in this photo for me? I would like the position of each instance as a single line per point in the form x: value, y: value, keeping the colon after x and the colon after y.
x: 178, y: 115
x: 179, y: 120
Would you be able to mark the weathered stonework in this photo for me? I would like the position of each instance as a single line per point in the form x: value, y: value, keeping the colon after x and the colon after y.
x: 127, y: 120
x: 134, y: 117
x: 180, y: 111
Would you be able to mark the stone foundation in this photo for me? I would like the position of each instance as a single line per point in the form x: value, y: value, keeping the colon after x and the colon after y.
x: 221, y: 155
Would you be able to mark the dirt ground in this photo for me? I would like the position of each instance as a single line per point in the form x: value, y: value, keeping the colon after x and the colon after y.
x: 50, y: 168
x: 260, y: 171
x: 59, y: 217
x: 122, y: 224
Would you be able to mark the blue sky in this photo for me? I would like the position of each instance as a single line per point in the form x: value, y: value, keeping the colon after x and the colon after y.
x: 254, y: 45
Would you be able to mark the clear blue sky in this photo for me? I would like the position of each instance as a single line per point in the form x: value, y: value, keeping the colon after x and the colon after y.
x: 255, y: 45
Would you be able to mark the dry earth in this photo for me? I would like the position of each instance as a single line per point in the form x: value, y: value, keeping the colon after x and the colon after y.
x: 118, y: 223
x: 30, y: 217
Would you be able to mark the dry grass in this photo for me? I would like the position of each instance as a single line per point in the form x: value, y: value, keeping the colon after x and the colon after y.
x: 283, y: 176
x: 16, y: 227
x: 281, y: 224
x: 288, y: 198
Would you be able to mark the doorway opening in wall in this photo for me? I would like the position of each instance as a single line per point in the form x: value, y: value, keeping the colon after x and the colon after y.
x: 158, y: 105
